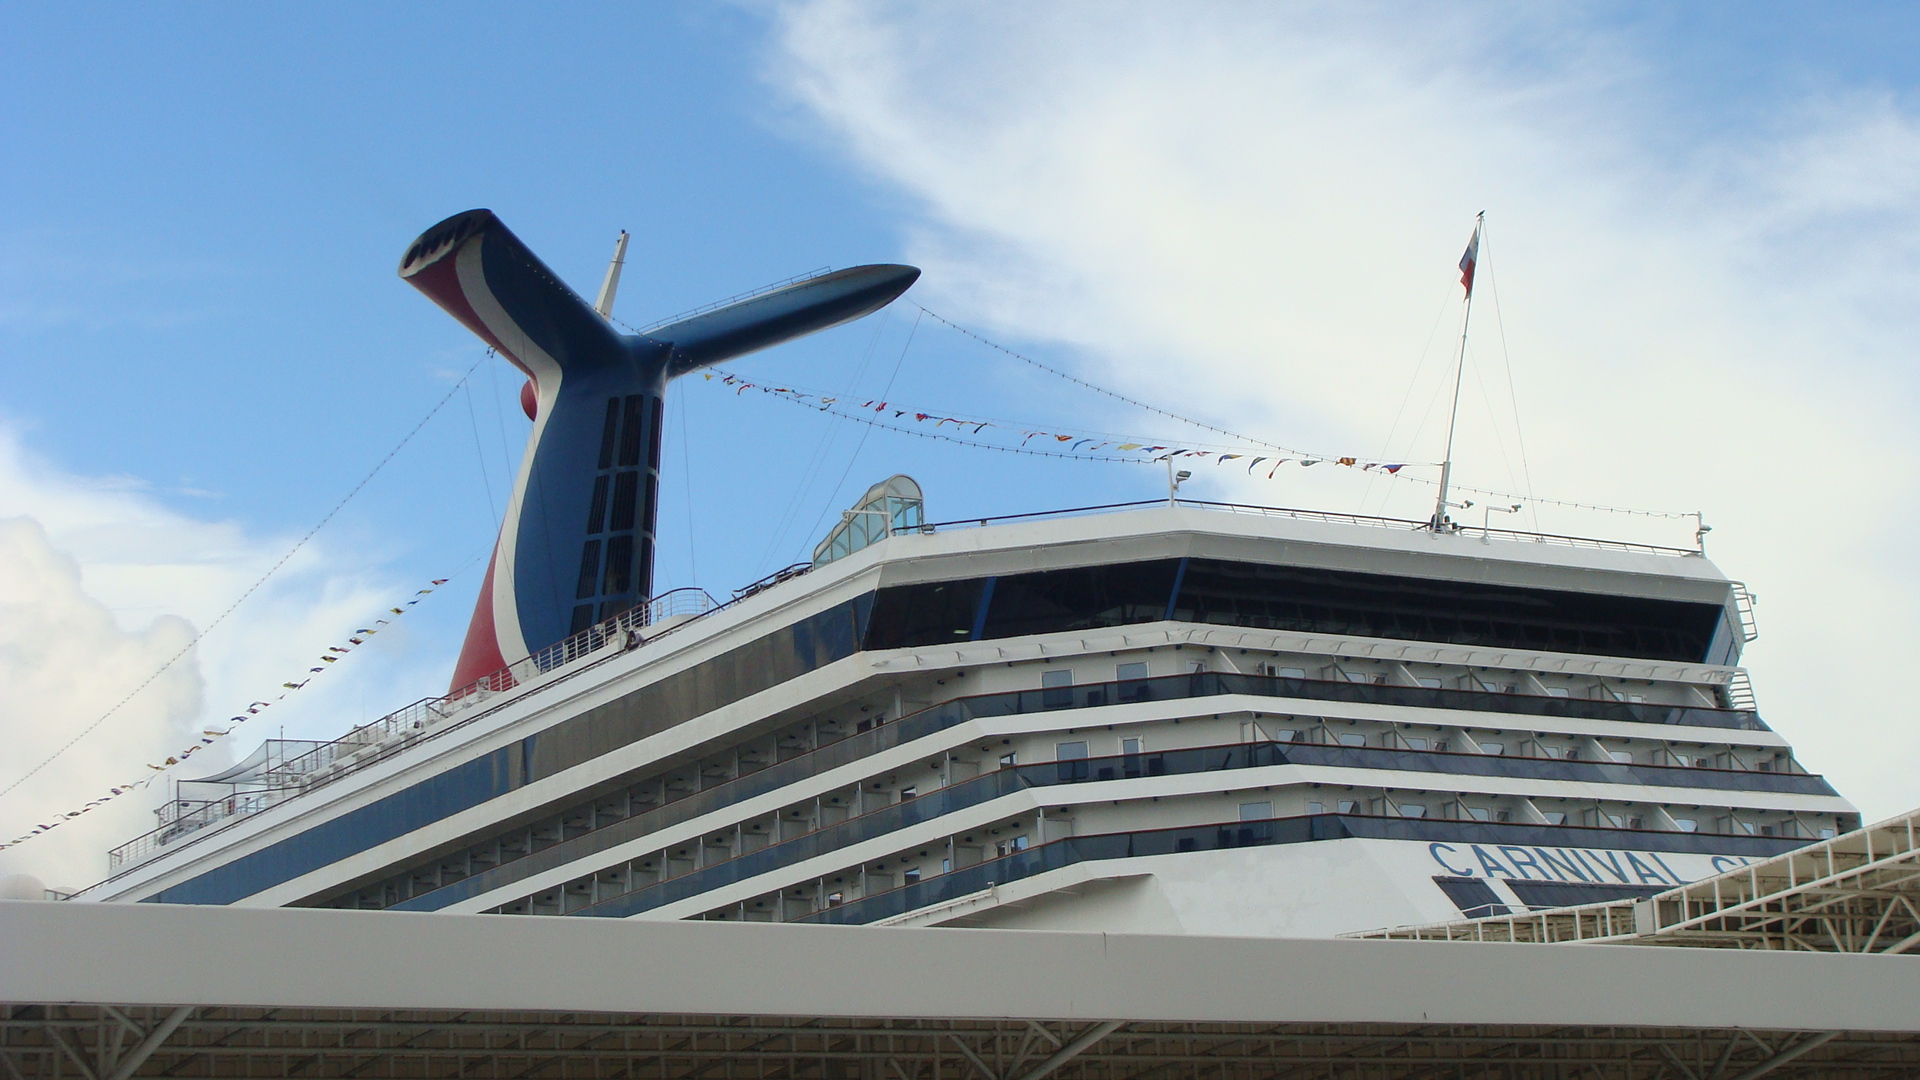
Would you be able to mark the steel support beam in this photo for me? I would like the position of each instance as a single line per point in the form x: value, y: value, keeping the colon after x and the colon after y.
x: 140, y: 1053
x: 1073, y: 1049
x: 1782, y: 1057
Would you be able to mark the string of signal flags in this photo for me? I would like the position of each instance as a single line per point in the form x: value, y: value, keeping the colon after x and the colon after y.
x: 211, y: 735
x: 1072, y: 444
x: 1107, y: 447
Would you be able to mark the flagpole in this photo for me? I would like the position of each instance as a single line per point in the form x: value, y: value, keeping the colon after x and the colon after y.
x: 1439, y: 522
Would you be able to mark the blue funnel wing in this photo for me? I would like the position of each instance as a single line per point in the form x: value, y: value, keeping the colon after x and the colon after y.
x: 782, y: 315
x: 576, y: 545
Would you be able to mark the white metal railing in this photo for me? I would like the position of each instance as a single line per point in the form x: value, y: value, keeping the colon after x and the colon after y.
x: 382, y: 738
x: 748, y: 295
x: 1330, y: 517
x: 1744, y: 602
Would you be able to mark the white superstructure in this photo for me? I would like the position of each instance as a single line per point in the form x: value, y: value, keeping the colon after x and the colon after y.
x: 1186, y: 719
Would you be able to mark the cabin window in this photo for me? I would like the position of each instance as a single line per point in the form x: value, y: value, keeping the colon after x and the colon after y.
x: 1621, y: 757
x: 1349, y: 806
x: 1256, y: 811
x: 1412, y: 810
x: 1415, y: 742
x: 1493, y: 749
x: 1352, y: 738
x: 1316, y: 807
x: 1292, y: 672
x: 1129, y: 672
x: 1056, y: 689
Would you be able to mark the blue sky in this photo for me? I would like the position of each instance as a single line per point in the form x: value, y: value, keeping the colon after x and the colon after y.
x: 1243, y: 213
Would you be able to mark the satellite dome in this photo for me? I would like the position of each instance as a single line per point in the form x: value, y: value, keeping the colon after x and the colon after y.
x: 22, y: 887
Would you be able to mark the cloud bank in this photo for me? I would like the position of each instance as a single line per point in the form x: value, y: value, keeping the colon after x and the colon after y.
x: 100, y: 584
x: 1253, y: 211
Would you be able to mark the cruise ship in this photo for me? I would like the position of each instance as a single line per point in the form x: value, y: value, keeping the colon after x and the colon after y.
x: 1165, y: 717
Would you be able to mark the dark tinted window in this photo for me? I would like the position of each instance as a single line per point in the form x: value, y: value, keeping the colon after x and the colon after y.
x: 786, y: 653
x: 931, y: 614
x: 653, y: 448
x: 1552, y: 894
x: 1475, y: 898
x: 1080, y: 599
x: 589, y: 570
x: 597, y: 509
x: 625, y: 493
x: 619, y: 565
x: 608, y: 435
x: 630, y: 431
x: 1459, y: 613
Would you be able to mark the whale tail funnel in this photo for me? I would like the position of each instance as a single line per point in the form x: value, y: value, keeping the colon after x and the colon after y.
x: 576, y: 545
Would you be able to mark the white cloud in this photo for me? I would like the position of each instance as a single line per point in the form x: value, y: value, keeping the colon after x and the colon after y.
x: 1254, y: 210
x: 101, y: 584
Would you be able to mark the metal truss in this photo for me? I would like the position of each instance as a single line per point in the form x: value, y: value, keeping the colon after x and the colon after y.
x: 56, y: 1042
x: 1858, y: 893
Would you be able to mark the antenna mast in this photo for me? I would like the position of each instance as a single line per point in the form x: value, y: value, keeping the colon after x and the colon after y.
x: 611, y: 285
x: 1467, y: 264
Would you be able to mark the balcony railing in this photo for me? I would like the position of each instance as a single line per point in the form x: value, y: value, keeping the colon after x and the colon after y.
x: 1006, y: 781
x: 1209, y: 684
x: 381, y: 739
x: 980, y: 877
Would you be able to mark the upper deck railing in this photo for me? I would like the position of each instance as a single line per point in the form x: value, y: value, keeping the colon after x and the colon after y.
x: 434, y: 717
x: 1330, y: 517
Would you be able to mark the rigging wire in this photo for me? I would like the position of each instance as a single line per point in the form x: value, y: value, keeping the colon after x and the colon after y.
x: 1426, y: 350
x: 480, y: 456
x: 1506, y: 359
x: 1567, y: 503
x: 818, y: 459
x: 168, y: 664
x: 834, y: 496
x: 1135, y: 402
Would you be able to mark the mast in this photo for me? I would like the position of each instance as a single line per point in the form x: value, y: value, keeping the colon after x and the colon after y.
x: 1467, y: 264
x: 604, y: 305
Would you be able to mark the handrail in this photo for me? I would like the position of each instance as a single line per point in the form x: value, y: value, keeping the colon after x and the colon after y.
x: 736, y: 298
x: 416, y: 722
x: 1331, y: 517
x: 1177, y: 762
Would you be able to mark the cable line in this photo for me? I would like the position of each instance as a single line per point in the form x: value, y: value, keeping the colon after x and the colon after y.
x: 253, y: 588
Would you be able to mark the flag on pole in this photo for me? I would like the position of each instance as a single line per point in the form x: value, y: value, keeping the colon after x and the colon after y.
x: 1468, y: 260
